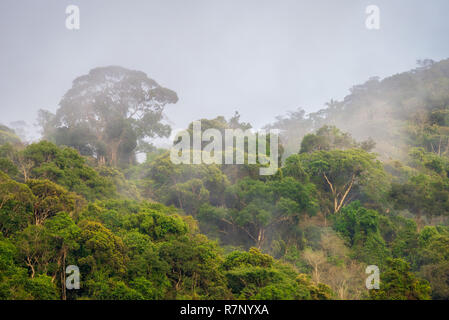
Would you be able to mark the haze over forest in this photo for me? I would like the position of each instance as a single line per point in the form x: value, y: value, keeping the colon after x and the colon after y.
x: 361, y: 181
x: 261, y: 58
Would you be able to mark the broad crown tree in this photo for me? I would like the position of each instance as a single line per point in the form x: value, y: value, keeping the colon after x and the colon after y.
x: 110, y: 113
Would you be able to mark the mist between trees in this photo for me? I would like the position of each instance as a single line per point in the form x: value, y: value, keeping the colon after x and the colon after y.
x: 364, y: 181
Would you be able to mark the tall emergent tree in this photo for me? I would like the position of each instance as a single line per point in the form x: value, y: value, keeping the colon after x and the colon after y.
x: 109, y: 113
x: 343, y: 174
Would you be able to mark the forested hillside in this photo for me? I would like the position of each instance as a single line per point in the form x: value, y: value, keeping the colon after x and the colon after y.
x: 363, y: 182
x: 398, y: 112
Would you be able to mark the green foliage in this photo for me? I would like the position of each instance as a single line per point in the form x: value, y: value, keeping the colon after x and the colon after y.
x: 111, y: 289
x: 127, y: 110
x: 66, y: 167
x: 101, y: 250
x: 432, y: 257
x: 124, y: 187
x: 42, y: 288
x: 329, y: 138
x: 50, y: 199
x: 398, y: 283
x: 425, y: 193
x: 342, y: 174
x: 254, y: 257
x: 360, y: 226
x: 8, y: 167
x: 309, y: 230
x: 12, y: 278
x: 257, y: 207
x: 16, y: 205
x: 194, y: 263
x: 254, y: 275
x: 8, y: 135
x: 152, y: 219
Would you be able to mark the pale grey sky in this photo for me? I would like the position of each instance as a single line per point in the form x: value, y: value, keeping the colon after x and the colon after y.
x: 260, y: 57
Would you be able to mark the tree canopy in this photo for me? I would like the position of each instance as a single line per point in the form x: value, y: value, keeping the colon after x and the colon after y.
x: 109, y: 113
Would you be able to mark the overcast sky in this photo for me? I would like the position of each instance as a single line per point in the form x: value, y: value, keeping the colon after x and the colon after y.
x: 260, y: 57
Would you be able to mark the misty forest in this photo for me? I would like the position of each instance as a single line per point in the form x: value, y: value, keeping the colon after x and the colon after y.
x: 362, y: 182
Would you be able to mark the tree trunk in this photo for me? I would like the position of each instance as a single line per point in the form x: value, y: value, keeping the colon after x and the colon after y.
x: 419, y: 222
x: 260, y: 238
x: 317, y: 275
x: 114, y: 152
x: 338, y: 203
x: 63, y: 275
x: 29, y: 264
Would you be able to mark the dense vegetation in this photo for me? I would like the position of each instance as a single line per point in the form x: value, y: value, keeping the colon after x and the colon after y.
x: 343, y: 198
